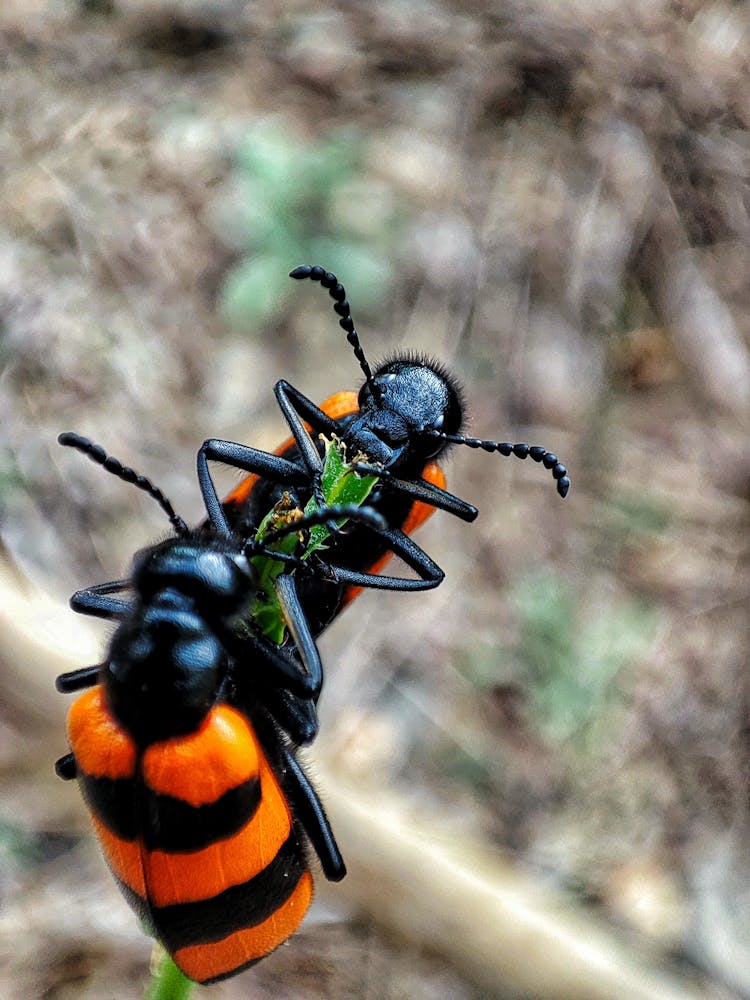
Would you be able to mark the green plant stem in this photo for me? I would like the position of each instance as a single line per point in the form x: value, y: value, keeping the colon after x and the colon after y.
x: 168, y: 983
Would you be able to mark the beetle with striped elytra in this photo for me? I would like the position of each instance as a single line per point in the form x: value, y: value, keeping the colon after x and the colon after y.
x: 406, y: 415
x: 184, y: 738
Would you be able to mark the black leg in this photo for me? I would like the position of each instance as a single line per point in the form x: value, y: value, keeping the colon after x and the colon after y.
x: 240, y: 456
x: 421, y: 490
x: 435, y: 497
x: 291, y: 399
x: 299, y: 630
x: 288, y: 399
x: 282, y: 668
x: 95, y: 601
x: 65, y: 767
x: 298, y: 717
x: 77, y: 680
x: 308, y: 809
x: 405, y: 548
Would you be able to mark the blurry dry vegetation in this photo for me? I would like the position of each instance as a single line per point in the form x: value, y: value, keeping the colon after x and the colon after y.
x: 558, y: 194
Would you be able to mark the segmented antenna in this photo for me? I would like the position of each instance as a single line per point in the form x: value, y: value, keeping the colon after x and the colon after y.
x: 341, y: 306
x: 97, y: 454
x: 535, y: 452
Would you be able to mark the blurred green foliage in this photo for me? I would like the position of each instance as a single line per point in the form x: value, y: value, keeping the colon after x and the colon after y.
x: 300, y: 203
x: 631, y: 516
x: 11, y: 478
x: 570, y: 656
x: 571, y: 644
x: 568, y: 653
x: 21, y: 848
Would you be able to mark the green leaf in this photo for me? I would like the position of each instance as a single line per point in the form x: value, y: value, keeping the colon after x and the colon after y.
x: 340, y: 485
x: 266, y: 612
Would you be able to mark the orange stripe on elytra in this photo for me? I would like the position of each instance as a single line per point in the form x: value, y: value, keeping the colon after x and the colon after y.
x: 201, y: 766
x: 418, y: 513
x: 100, y: 746
x: 341, y: 404
x: 196, y: 875
x: 123, y: 857
x: 208, y: 961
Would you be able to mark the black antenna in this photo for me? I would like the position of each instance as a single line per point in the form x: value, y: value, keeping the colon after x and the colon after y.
x: 341, y: 306
x: 535, y: 452
x: 97, y: 454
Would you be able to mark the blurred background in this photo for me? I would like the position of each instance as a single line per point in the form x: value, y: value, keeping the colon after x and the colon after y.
x: 552, y: 198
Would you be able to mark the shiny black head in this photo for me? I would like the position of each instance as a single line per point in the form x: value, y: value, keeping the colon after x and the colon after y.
x: 211, y: 571
x: 410, y: 410
x: 402, y: 405
x: 168, y: 660
x: 407, y: 397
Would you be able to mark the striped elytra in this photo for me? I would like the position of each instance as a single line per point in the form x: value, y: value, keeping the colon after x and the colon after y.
x: 184, y: 739
x: 198, y: 834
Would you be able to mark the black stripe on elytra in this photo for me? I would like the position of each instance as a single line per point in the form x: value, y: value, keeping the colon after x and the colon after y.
x: 166, y: 823
x: 245, y: 905
x: 112, y: 800
x: 171, y: 824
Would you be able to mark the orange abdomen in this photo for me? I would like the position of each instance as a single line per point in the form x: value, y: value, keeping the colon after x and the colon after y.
x: 198, y: 833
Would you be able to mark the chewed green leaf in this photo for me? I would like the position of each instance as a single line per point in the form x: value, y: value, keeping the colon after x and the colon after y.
x: 266, y: 611
x: 340, y: 485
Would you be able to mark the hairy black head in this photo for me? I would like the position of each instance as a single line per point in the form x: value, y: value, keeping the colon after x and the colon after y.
x: 408, y: 396
x: 411, y: 408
